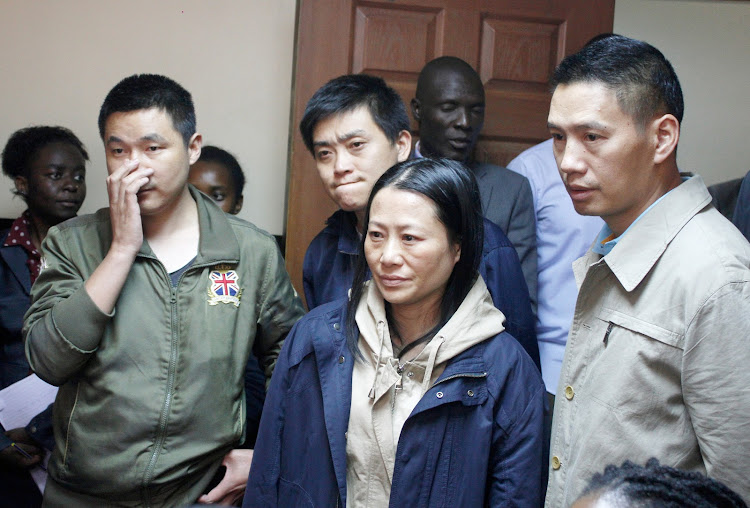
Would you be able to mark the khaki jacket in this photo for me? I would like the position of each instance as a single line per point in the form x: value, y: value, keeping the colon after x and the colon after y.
x: 656, y: 363
x: 151, y: 396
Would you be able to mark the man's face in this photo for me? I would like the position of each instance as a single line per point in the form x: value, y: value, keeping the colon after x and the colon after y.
x: 450, y: 113
x: 149, y: 136
x: 605, y: 161
x: 55, y: 182
x: 351, y: 153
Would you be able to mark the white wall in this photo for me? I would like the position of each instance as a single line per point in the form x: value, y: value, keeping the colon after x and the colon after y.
x: 59, y: 60
x: 708, y: 43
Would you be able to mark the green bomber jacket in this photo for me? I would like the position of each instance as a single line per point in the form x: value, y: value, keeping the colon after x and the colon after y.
x: 151, y: 397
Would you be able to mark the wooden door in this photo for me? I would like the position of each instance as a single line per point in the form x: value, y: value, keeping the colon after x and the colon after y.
x: 513, y: 44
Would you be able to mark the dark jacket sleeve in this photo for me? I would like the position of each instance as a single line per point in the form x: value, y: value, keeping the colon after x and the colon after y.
x: 262, y: 484
x: 502, y: 273
x: 517, y: 465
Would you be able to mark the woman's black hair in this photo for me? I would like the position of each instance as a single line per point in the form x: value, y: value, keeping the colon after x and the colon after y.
x: 654, y: 485
x: 454, y: 191
x: 24, y: 144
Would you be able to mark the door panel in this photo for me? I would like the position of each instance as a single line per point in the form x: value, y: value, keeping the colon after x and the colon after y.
x: 513, y: 44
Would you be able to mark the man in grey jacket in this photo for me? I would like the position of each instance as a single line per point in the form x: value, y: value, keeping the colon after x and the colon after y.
x: 145, y: 317
x: 656, y: 362
x: 449, y: 108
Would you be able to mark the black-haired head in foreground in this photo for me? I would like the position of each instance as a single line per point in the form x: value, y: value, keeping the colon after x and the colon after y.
x: 656, y: 486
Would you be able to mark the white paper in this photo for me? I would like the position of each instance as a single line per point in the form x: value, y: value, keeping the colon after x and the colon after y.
x: 22, y: 401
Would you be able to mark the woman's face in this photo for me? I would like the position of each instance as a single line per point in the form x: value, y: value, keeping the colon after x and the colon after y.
x: 408, y: 249
x: 215, y: 180
x: 54, y: 185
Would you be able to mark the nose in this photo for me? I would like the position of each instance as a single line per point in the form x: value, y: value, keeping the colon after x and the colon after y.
x: 462, y: 118
x: 343, y: 163
x: 569, y: 156
x: 71, y: 183
x: 391, y: 253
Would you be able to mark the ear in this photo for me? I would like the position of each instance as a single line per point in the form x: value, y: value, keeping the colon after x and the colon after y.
x: 415, y: 109
x: 667, y: 131
x: 194, y: 147
x: 403, y: 142
x: 22, y: 185
x: 457, y: 256
x: 238, y: 205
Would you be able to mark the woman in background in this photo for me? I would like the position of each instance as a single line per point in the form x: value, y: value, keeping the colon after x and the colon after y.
x: 410, y: 393
x: 48, y: 168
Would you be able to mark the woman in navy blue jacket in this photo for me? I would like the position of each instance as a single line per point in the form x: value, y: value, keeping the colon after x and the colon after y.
x: 47, y: 165
x: 410, y: 393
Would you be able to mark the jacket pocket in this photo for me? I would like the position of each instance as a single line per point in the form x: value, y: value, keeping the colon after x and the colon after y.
x: 291, y: 494
x: 638, y: 368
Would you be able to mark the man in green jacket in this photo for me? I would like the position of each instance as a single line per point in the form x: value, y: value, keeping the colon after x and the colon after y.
x: 145, y: 315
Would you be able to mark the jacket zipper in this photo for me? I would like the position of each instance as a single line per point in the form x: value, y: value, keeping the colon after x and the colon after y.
x: 161, y: 434
x: 454, y: 376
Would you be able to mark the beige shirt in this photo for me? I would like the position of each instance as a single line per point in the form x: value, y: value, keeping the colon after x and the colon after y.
x: 657, y: 363
x: 384, y: 395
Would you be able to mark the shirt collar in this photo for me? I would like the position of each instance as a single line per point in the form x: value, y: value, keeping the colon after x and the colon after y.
x: 638, y: 251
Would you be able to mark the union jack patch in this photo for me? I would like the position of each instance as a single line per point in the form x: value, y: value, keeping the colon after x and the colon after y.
x: 223, y: 286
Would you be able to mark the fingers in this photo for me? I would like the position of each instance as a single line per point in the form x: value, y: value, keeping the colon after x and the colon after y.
x: 125, y: 214
x: 11, y: 458
x: 127, y: 180
x: 232, y: 486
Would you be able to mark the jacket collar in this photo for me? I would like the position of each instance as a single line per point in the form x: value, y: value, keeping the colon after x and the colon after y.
x: 641, y: 247
x: 15, y: 257
x: 218, y: 243
x: 335, y: 364
x: 344, y: 226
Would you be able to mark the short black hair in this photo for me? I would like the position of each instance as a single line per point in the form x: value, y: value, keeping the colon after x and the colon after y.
x: 212, y: 153
x: 453, y: 189
x: 347, y: 93
x: 24, y: 144
x: 643, y: 80
x: 433, y: 68
x: 146, y: 91
x: 657, y: 486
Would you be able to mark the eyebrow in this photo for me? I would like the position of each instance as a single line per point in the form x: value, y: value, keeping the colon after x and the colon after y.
x: 341, y: 139
x: 581, y: 127
x: 148, y: 137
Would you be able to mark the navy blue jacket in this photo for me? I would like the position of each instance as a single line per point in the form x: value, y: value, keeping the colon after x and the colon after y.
x: 331, y: 258
x: 455, y: 449
x: 15, y: 299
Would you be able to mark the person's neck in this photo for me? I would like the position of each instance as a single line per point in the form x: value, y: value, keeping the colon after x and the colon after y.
x: 174, y: 234
x: 38, y: 230
x: 414, y: 321
x: 670, y: 181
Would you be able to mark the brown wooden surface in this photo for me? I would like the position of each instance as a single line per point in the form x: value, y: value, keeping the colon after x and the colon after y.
x: 513, y: 44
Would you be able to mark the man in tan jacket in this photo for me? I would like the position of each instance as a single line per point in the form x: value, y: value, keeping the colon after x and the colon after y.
x: 656, y: 363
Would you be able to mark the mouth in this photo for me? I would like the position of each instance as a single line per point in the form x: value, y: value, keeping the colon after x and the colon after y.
x: 460, y: 144
x: 343, y: 184
x: 391, y: 280
x: 579, y: 192
x: 69, y: 204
